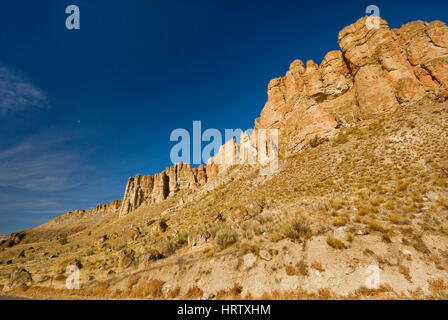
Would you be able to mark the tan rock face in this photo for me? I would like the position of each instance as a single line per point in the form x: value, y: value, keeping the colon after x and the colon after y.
x: 438, y: 69
x: 154, y: 189
x: 376, y: 70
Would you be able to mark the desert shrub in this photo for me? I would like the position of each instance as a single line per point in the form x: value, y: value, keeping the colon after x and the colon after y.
x: 340, y: 139
x: 226, y: 236
x: 296, y: 228
x: 210, y: 253
x: 100, y: 290
x: 438, y: 287
x: 375, y: 225
x: 250, y: 248
x: 317, y: 266
x: 377, y: 201
x: 302, y: 268
x: 321, y: 205
x: 335, y: 243
x: 362, y: 211
x: 221, y: 294
x: 201, y: 230
x: 263, y: 218
x: 132, y: 282
x: 349, y: 236
x: 355, y: 130
x: 182, y: 238
x: 168, y: 247
x: 152, y: 288
x: 63, y: 239
x: 395, y: 218
x: 251, y: 228
x: 337, y: 203
x: 290, y: 270
x: 444, y: 229
x: 405, y: 272
x: 236, y: 290
x: 220, y: 187
x: 21, y: 254
x: 315, y: 142
x: 194, y: 293
x: 402, y: 185
x: 339, y: 222
x: 324, y: 293
x: 173, y: 293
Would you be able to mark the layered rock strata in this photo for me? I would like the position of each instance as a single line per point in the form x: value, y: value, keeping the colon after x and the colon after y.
x: 375, y: 70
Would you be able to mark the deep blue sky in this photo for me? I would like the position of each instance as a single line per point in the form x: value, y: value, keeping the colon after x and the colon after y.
x: 81, y: 111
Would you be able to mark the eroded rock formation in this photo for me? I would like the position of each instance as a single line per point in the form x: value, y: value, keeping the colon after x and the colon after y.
x: 376, y: 70
x: 154, y: 189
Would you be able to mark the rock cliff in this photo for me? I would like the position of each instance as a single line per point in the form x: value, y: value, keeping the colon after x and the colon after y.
x: 376, y: 70
x: 154, y: 189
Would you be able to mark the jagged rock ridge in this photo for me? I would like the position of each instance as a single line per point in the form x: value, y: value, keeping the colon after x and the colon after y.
x: 376, y: 70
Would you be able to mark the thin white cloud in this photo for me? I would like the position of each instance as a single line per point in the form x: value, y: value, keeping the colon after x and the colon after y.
x: 18, y: 93
x: 39, y: 164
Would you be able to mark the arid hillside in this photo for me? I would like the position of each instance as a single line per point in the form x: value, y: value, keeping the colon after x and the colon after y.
x: 361, y: 190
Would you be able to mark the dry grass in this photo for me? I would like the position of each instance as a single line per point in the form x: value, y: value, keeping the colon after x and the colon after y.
x: 153, y: 289
x: 375, y: 225
x: 100, y: 290
x: 405, y: 272
x: 296, y: 228
x: 194, y: 293
x: 132, y: 282
x: 317, y: 266
x: 236, y: 290
x: 173, y: 293
x: 226, y: 236
x: 438, y: 287
x: 340, y: 139
x: 290, y: 270
x: 210, y: 253
x: 335, y: 243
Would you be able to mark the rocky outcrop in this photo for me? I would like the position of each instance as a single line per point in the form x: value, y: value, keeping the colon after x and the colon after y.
x: 101, y: 209
x: 110, y: 207
x: 376, y: 70
x: 144, y: 190
x: 20, y: 277
x: 14, y: 239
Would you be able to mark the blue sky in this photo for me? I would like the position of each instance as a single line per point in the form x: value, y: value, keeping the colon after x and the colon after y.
x: 83, y: 110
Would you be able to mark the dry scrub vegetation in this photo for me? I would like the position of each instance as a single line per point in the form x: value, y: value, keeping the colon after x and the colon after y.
x: 375, y: 192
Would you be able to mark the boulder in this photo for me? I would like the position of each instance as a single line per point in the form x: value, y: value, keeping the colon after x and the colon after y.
x: 127, y: 257
x: 249, y: 261
x: 20, y: 277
